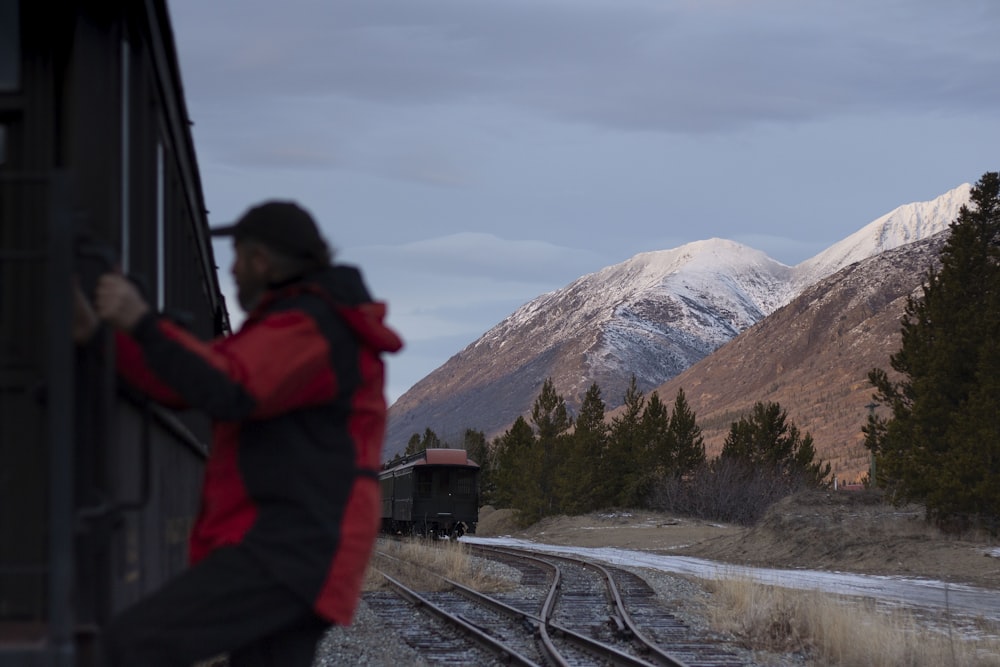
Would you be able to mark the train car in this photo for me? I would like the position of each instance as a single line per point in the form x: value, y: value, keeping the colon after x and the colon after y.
x: 98, y: 489
x: 434, y: 493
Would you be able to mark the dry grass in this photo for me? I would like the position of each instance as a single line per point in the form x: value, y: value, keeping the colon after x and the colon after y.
x: 841, y: 631
x: 415, y: 561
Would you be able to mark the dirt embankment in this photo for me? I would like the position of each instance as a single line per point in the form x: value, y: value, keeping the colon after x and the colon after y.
x: 843, y: 531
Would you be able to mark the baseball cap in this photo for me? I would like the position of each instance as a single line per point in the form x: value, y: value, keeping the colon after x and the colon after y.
x: 281, y: 225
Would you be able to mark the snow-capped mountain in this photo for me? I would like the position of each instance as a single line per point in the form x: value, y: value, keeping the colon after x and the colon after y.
x: 812, y: 356
x: 903, y: 225
x: 652, y: 316
x: 664, y: 309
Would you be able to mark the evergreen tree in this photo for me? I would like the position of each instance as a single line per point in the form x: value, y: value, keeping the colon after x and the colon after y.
x: 939, y: 446
x: 476, y: 448
x: 413, y: 445
x: 626, y: 442
x: 814, y: 472
x: 689, y: 445
x: 417, y: 443
x: 430, y: 440
x: 657, y: 448
x: 512, y: 465
x: 578, y: 487
x: 766, y: 441
x: 551, y: 419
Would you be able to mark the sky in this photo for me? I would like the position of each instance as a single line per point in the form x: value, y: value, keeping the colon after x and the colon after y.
x: 470, y: 155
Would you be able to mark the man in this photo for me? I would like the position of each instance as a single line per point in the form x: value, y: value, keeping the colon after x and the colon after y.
x: 289, y: 508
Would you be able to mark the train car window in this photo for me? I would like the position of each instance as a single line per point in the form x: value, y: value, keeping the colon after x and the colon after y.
x: 10, y: 45
x: 464, y: 483
x: 424, y: 481
x: 443, y: 482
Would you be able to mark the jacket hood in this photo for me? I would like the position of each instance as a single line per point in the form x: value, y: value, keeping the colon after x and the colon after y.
x: 344, y: 289
x: 365, y: 316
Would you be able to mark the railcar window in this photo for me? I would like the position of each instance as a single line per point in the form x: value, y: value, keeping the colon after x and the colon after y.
x: 424, y: 484
x: 464, y: 483
x: 10, y: 45
x: 443, y: 482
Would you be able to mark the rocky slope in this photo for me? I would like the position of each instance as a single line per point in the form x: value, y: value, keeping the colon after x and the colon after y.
x: 660, y: 313
x: 813, y: 356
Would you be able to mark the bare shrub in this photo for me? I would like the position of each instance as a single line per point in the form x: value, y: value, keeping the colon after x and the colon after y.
x: 841, y: 631
x: 724, y: 490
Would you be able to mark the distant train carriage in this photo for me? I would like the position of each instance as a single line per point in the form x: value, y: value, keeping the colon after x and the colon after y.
x: 433, y: 493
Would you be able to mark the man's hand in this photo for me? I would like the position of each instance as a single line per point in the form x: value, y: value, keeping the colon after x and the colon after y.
x: 119, y: 301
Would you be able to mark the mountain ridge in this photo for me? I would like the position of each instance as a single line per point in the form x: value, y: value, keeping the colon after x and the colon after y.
x: 813, y: 355
x: 654, y: 316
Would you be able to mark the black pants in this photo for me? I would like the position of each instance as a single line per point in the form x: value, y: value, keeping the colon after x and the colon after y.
x: 227, y: 603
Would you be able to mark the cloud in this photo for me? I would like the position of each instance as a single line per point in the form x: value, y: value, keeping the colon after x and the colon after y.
x: 484, y: 256
x: 627, y: 64
x: 464, y: 153
x: 458, y: 286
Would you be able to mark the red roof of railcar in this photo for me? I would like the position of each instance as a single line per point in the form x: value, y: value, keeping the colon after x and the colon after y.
x: 455, y: 457
x: 437, y: 457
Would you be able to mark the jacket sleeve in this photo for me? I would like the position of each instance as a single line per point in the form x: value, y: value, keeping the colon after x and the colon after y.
x: 279, y: 364
x: 132, y: 367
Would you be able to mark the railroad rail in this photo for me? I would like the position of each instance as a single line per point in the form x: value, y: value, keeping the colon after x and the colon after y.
x: 568, y: 612
x: 638, y: 619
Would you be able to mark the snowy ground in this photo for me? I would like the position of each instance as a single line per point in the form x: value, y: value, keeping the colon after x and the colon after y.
x: 927, y: 593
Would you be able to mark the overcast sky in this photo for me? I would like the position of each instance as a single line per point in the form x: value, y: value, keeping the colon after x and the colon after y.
x: 471, y: 155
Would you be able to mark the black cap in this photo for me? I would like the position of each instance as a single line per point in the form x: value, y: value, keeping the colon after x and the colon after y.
x: 283, y: 226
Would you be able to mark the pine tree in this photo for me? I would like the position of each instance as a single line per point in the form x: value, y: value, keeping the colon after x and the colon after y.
x: 939, y: 446
x: 762, y: 439
x: 766, y: 441
x: 413, y: 444
x: 689, y: 445
x: 474, y: 443
x: 430, y: 440
x: 551, y: 419
x: 418, y: 443
x: 657, y: 447
x: 578, y: 487
x: 813, y: 472
x: 513, y: 451
x: 625, y: 444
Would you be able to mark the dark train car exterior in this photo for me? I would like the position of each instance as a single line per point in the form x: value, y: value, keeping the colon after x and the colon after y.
x: 433, y: 493
x: 97, y: 169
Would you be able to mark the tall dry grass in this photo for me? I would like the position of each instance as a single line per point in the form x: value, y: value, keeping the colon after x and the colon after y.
x: 846, y: 631
x: 416, y: 561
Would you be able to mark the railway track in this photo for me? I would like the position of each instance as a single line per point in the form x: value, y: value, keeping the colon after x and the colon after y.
x: 566, y: 612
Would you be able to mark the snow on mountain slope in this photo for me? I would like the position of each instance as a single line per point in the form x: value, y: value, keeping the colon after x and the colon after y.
x: 651, y: 317
x: 684, y: 303
x: 905, y: 224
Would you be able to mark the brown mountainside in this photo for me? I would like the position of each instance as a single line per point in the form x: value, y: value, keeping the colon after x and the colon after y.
x: 813, y: 356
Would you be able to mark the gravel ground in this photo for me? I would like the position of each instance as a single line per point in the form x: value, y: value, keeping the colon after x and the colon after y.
x: 366, y: 643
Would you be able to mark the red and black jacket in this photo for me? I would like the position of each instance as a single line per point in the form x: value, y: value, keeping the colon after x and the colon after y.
x: 296, y: 397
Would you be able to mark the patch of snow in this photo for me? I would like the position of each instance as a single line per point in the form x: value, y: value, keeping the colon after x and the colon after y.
x: 955, y: 598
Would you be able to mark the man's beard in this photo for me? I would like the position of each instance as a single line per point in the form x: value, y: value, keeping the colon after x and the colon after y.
x: 250, y: 293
